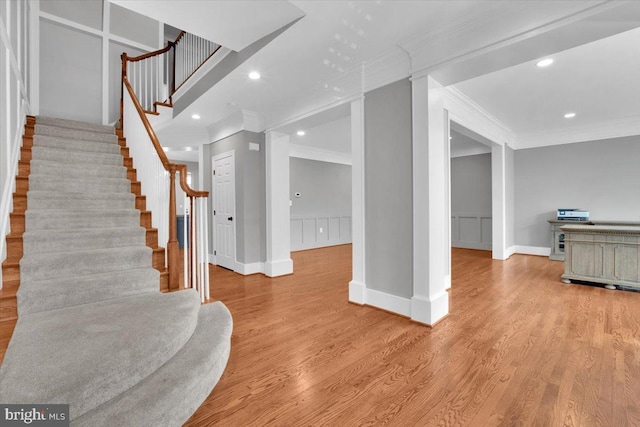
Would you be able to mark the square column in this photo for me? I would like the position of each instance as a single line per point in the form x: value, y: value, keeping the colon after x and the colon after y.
x: 498, y: 201
x: 357, y: 286
x: 278, y: 261
x: 430, y: 300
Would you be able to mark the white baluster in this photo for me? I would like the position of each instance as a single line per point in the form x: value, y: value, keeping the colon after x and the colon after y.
x: 194, y: 270
x: 203, y: 201
x: 185, y: 242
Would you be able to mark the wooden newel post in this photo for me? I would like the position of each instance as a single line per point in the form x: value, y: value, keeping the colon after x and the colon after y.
x: 173, y: 248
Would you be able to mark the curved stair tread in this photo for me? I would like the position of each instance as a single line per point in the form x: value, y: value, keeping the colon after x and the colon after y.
x: 170, y: 395
x: 88, y: 354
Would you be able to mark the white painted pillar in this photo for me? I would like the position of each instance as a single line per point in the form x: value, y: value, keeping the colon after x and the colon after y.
x: 357, y: 286
x: 430, y: 300
x: 279, y: 261
x: 447, y: 205
x: 498, y: 201
x: 106, y: 17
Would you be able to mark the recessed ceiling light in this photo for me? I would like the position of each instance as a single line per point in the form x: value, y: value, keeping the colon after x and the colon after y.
x: 300, y: 133
x: 196, y: 116
x: 544, y: 62
x: 254, y: 75
x: 569, y: 115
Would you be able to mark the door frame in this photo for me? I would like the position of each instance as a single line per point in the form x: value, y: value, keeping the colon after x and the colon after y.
x: 232, y: 154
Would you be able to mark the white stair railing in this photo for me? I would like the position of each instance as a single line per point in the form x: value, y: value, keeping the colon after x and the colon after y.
x: 158, y: 182
x: 191, y: 52
x: 155, y: 76
x: 150, y: 170
x: 147, y: 80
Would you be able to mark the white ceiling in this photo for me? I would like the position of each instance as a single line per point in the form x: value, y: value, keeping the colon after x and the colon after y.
x: 599, y: 81
x: 234, y: 24
x: 319, y: 61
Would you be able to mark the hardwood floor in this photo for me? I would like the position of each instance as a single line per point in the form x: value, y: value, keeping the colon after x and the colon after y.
x: 518, y: 348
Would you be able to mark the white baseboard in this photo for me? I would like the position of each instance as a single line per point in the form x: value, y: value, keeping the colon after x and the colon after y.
x: 472, y: 245
x: 251, y: 268
x: 429, y: 310
x: 532, y: 250
x: 509, y: 251
x: 447, y: 281
x: 357, y: 292
x: 278, y: 268
x: 385, y: 301
x: 418, y: 309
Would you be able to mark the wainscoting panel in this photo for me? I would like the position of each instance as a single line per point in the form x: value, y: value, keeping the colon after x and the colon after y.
x: 317, y: 232
x: 471, y: 231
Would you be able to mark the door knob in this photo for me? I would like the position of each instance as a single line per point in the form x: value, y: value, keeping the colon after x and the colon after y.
x: 230, y: 218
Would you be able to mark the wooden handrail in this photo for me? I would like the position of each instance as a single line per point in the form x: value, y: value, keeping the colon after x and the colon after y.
x: 182, y: 168
x: 185, y: 186
x: 147, y: 125
x: 182, y: 33
x: 172, y: 243
x: 150, y: 54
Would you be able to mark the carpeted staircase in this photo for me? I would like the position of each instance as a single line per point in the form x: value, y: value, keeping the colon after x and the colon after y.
x: 94, y: 331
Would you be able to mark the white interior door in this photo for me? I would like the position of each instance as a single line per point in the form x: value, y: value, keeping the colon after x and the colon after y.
x: 224, y: 210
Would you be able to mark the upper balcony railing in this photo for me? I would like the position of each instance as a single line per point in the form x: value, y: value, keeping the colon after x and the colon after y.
x: 156, y: 76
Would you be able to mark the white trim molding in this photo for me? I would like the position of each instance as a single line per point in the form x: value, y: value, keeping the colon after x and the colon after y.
x: 357, y: 286
x: 430, y: 310
x: 476, y: 236
x: 319, y: 154
x: 278, y: 260
x: 281, y: 267
x: 357, y: 292
x: 531, y: 250
x: 464, y: 111
x: 250, y: 268
x: 388, y: 302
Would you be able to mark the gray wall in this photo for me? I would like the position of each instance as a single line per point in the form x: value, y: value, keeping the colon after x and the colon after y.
x: 325, y: 188
x: 471, y: 202
x: 471, y: 184
x: 71, y: 61
x: 601, y: 176
x: 388, y: 190
x: 70, y: 73
x: 321, y: 216
x: 250, y: 188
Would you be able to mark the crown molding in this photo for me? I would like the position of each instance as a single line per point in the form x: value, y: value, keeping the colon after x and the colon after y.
x: 618, y: 128
x: 253, y: 121
x: 467, y: 113
x: 387, y: 68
